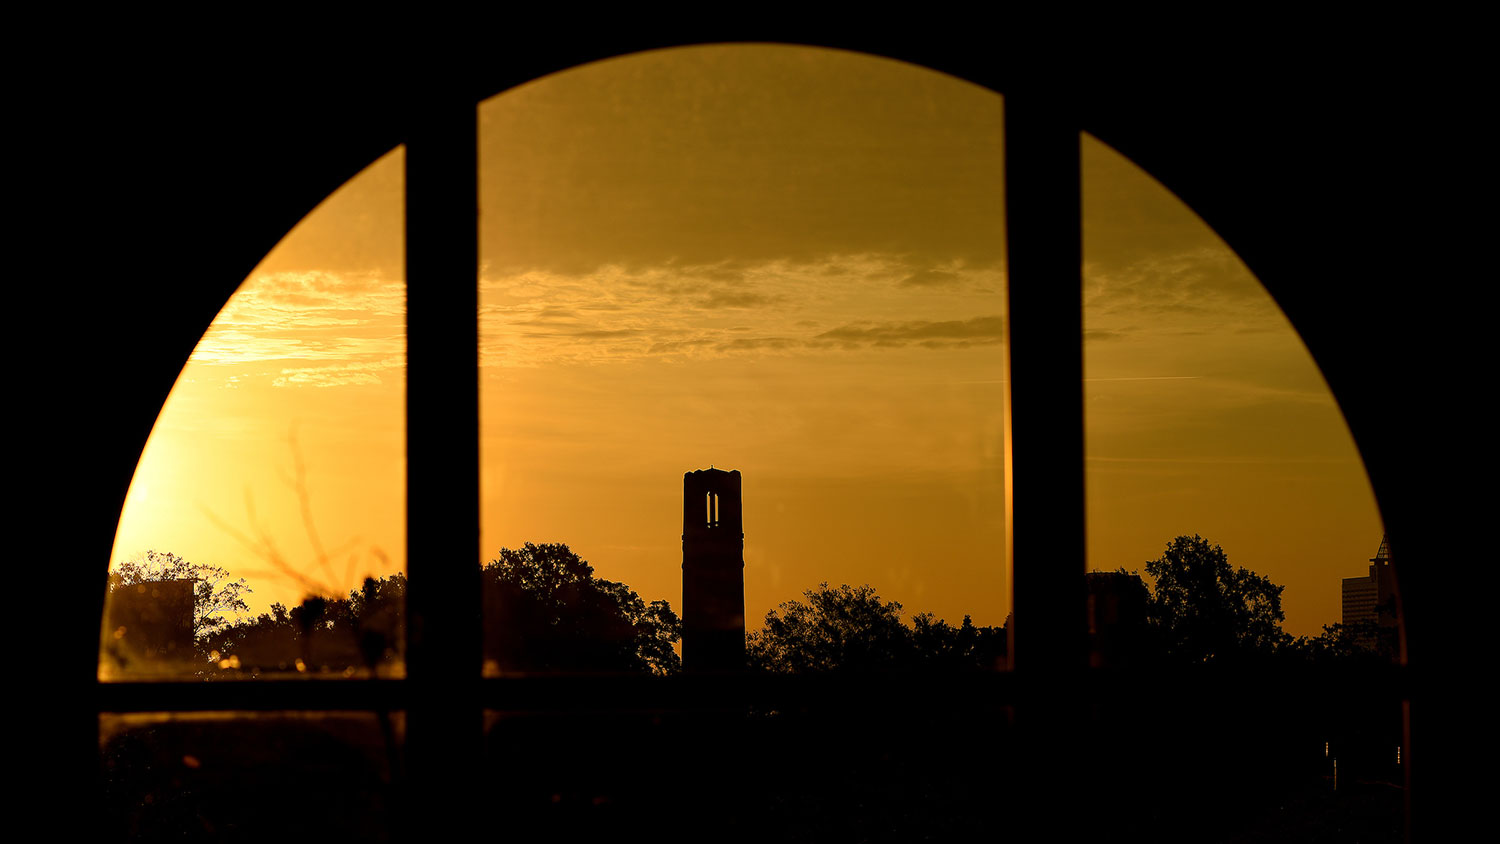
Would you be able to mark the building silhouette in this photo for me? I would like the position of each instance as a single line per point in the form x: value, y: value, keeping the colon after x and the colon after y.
x: 1369, y: 603
x: 148, y: 626
x: 1117, y: 618
x: 713, y: 572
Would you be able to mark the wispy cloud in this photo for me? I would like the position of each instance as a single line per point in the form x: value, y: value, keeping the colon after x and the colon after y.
x: 985, y: 329
x: 736, y: 299
x: 737, y: 308
x: 324, y: 329
x: 755, y: 343
x: 337, y: 375
x: 931, y: 278
x: 1151, y: 378
x: 1203, y: 281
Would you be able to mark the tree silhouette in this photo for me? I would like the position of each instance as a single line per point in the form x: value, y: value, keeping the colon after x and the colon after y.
x: 544, y: 611
x: 850, y: 629
x: 362, y: 631
x: 1360, y: 642
x: 1205, y: 611
x: 966, y: 647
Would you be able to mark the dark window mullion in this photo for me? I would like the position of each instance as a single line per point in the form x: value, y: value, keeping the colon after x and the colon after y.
x: 1045, y: 254
x: 1049, y: 644
x: 444, y: 723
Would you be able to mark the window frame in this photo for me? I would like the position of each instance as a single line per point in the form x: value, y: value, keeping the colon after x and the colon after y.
x: 1045, y: 345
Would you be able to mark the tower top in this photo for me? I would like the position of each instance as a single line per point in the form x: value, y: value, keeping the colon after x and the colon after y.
x: 710, y: 472
x: 711, y: 504
x: 1384, y: 554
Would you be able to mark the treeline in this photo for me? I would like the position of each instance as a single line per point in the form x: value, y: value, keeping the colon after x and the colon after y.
x: 851, y: 629
x: 1203, y: 610
x: 545, y: 612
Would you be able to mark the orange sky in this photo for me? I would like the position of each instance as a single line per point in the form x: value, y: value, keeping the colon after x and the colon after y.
x: 782, y: 260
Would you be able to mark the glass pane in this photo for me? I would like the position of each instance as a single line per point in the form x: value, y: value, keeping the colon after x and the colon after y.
x: 780, y: 268
x: 1228, y: 511
x: 245, y: 776
x: 1205, y: 414
x: 264, y: 530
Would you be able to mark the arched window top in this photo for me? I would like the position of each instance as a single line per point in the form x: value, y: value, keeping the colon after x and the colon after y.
x: 727, y: 181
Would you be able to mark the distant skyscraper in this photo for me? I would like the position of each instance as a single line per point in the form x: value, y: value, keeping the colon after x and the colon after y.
x: 713, y: 572
x: 1370, y: 601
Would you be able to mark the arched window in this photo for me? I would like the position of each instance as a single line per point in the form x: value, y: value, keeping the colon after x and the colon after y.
x: 1045, y: 257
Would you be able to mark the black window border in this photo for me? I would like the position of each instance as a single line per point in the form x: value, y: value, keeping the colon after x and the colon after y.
x: 1044, y: 253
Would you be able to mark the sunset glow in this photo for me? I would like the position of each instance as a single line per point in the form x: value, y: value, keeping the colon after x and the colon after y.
x: 280, y: 453
x: 782, y: 260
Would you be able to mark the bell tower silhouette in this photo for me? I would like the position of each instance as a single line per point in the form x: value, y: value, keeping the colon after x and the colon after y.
x: 713, y: 572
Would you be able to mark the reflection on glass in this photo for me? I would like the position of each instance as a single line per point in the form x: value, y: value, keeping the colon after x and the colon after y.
x: 263, y: 534
x: 241, y: 776
x: 778, y: 261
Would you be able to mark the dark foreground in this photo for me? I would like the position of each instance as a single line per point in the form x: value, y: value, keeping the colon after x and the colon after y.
x: 851, y: 770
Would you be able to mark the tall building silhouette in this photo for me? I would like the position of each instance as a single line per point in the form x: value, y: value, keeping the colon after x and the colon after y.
x: 1371, y: 600
x: 713, y: 572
